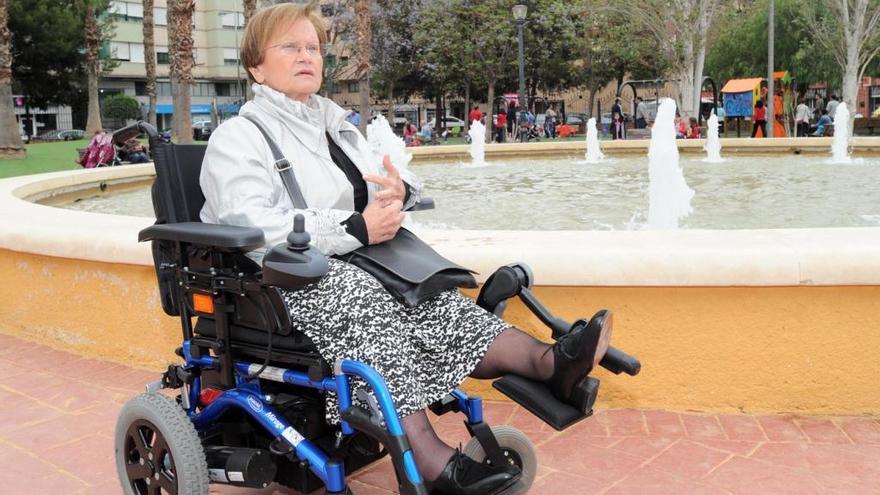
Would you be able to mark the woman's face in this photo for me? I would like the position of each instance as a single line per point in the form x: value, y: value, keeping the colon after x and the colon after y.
x: 292, y: 62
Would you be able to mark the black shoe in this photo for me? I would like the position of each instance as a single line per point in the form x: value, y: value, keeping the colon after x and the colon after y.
x: 577, y: 352
x: 465, y: 476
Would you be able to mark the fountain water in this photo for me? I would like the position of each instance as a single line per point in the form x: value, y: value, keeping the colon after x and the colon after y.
x: 382, y: 138
x: 670, y: 196
x: 713, y: 144
x: 594, y: 154
x: 840, y: 146
x: 477, y: 132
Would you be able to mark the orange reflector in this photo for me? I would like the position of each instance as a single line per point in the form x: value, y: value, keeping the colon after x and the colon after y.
x: 203, y: 303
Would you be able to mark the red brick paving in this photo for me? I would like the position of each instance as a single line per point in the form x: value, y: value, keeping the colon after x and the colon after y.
x: 58, y: 412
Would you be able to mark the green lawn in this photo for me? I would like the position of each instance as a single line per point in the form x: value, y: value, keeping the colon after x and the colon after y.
x: 44, y: 157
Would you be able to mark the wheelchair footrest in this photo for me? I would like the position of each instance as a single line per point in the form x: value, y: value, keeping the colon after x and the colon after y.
x: 540, y: 401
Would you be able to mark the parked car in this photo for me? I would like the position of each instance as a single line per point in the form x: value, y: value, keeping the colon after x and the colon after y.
x: 71, y: 135
x: 48, y: 136
x: 450, y: 122
x: 202, y: 130
x: 576, y: 118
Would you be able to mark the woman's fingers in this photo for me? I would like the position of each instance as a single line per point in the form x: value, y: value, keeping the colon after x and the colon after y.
x: 389, y: 167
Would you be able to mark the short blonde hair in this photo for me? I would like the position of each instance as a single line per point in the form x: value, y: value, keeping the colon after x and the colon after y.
x: 266, y: 23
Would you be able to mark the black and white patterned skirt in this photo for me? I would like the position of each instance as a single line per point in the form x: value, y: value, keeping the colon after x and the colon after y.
x: 422, y: 353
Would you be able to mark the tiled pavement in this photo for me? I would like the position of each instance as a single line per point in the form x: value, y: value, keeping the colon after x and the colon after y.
x: 58, y: 411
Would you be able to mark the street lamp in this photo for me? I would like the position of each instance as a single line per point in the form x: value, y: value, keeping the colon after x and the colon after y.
x: 519, y: 13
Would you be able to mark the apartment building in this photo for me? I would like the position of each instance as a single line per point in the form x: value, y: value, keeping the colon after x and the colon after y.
x: 219, y: 79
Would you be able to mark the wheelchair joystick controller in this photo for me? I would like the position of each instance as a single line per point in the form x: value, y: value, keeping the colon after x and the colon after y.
x: 294, y: 264
x: 298, y: 239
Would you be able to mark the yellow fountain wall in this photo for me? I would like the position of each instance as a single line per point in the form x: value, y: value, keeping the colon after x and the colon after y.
x: 757, y: 349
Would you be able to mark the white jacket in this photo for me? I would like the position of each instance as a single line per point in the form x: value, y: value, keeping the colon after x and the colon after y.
x: 242, y: 187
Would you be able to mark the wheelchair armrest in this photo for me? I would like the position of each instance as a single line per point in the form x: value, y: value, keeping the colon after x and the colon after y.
x: 423, y: 204
x: 222, y: 237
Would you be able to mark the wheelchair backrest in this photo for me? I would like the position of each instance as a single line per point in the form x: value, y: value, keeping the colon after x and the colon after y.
x: 177, y: 197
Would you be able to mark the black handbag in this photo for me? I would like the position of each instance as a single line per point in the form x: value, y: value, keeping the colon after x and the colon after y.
x: 408, y: 268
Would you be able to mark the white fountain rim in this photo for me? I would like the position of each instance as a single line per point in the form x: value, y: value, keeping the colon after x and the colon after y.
x: 782, y: 257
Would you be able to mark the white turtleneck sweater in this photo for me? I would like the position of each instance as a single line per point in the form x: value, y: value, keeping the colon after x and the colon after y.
x: 242, y: 187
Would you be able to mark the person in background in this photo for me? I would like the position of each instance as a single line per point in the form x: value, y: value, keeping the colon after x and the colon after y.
x: 426, y: 135
x: 801, y: 118
x: 475, y: 116
x: 641, y: 113
x: 693, y: 131
x: 550, y: 122
x: 134, y: 151
x: 616, y: 126
x: 832, y: 106
x: 760, y: 117
x: 822, y: 124
x: 721, y: 114
x: 408, y: 132
x: 511, y: 117
x: 500, y: 125
x: 680, y: 128
x: 354, y: 118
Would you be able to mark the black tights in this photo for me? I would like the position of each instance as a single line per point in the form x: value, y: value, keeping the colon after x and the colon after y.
x: 513, y: 351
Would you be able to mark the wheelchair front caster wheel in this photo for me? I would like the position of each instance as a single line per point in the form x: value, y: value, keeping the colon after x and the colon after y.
x: 517, y: 448
x: 158, y: 450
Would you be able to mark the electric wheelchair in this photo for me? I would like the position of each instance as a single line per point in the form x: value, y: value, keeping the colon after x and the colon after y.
x: 246, y: 406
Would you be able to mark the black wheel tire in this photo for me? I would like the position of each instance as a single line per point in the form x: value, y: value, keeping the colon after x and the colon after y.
x: 155, y: 438
x: 517, y: 447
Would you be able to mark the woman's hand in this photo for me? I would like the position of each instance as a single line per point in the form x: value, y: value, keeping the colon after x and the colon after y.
x: 392, y: 185
x: 383, y: 219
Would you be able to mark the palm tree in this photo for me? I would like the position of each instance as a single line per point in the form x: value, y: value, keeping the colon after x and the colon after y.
x: 150, y: 59
x: 250, y: 8
x: 93, y: 44
x: 10, y: 139
x: 362, y: 12
x: 180, y: 40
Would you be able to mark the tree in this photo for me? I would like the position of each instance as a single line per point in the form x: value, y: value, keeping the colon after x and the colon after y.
x: 393, y: 54
x: 362, y: 11
x: 681, y: 31
x: 121, y: 106
x: 340, y: 40
x: 10, y: 140
x: 93, y: 67
x: 733, y: 53
x: 850, y: 31
x: 249, y: 8
x: 150, y: 59
x: 180, y: 17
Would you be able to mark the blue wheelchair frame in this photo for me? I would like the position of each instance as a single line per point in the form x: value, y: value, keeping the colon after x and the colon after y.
x: 247, y: 396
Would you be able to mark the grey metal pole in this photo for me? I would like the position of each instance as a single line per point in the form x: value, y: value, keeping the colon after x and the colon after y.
x: 522, y: 66
x: 771, y: 95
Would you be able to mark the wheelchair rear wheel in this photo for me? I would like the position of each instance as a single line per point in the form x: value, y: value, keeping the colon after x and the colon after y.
x: 158, y: 450
x: 517, y: 448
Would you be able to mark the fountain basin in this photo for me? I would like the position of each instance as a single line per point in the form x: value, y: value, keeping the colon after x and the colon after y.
x: 755, y: 320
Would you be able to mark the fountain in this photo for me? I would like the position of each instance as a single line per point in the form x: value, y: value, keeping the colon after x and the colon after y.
x: 477, y: 133
x: 382, y: 138
x: 840, y: 146
x: 713, y: 144
x: 669, y: 194
x: 593, y: 154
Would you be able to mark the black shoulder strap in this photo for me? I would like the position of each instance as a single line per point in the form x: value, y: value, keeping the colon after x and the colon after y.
x: 283, y: 167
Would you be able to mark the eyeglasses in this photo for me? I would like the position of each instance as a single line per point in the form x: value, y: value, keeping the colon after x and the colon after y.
x: 290, y: 49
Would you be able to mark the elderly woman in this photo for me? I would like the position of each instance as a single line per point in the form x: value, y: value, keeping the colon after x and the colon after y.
x: 355, y: 198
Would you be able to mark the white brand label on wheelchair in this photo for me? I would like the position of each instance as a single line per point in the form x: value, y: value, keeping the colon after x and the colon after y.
x: 292, y: 436
x: 269, y: 373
